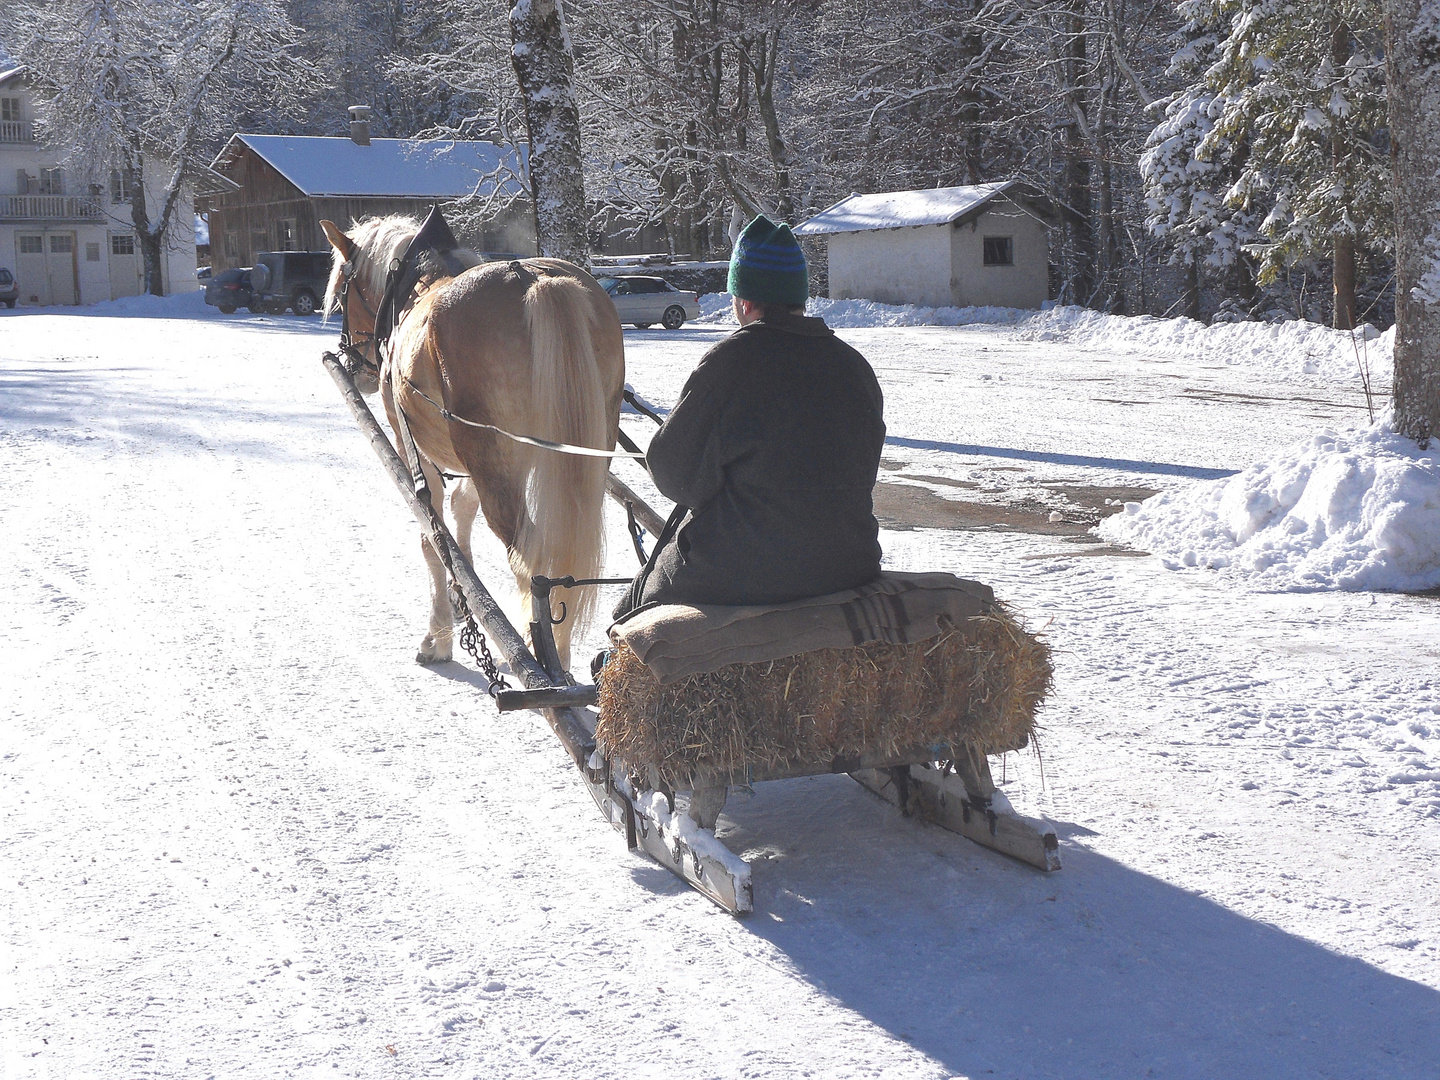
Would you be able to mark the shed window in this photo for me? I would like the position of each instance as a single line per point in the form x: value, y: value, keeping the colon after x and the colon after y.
x: 62, y: 245
x: 285, y: 234
x: 999, y: 251
x: 92, y: 251
x: 31, y: 245
x: 232, y: 244
x: 122, y: 245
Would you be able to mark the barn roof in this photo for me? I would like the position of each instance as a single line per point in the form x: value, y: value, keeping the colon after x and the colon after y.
x: 902, y: 209
x: 387, y: 168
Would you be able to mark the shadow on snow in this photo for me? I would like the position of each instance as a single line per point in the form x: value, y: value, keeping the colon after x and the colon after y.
x: 992, y: 968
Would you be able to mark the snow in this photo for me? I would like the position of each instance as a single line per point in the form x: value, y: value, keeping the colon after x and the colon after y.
x: 212, y: 600
x: 1294, y: 350
x: 900, y: 209
x: 1355, y: 511
x: 387, y: 168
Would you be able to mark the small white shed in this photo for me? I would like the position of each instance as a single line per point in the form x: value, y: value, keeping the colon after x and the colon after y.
x: 982, y: 244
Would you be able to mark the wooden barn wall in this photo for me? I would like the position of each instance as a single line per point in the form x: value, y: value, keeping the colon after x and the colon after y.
x: 265, y: 198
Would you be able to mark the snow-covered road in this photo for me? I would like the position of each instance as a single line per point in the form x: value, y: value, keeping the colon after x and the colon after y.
x: 243, y: 833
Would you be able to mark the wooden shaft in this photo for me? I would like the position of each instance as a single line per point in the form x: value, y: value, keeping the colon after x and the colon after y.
x: 547, y: 698
x: 649, y: 520
x: 565, y: 722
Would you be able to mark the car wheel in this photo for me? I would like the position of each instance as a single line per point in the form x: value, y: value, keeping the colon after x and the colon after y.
x: 226, y: 309
x: 254, y: 309
x: 674, y: 317
x: 304, y: 303
x: 10, y: 303
x: 642, y: 325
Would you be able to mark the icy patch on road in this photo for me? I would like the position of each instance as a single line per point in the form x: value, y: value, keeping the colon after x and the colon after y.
x: 1354, y: 511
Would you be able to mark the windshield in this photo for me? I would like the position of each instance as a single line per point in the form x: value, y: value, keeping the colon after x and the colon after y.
x: 608, y: 284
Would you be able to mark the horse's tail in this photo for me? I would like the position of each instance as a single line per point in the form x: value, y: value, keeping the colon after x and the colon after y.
x: 563, y: 531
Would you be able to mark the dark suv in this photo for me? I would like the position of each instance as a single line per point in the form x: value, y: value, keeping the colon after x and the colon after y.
x: 9, y: 288
x: 290, y: 279
x: 230, y: 289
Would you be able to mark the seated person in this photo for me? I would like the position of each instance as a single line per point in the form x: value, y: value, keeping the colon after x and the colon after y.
x: 770, y: 454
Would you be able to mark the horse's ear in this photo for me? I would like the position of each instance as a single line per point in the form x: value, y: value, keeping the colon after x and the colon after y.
x: 338, y: 240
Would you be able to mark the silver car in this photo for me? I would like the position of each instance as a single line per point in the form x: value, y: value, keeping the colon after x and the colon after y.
x: 645, y: 301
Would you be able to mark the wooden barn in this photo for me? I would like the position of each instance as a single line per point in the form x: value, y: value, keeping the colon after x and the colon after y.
x: 982, y: 244
x: 270, y: 192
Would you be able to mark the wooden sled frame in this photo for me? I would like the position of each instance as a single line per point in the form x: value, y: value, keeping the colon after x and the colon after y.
x: 681, y: 837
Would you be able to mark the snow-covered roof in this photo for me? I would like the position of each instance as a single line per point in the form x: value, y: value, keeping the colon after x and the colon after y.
x: 901, y: 209
x: 387, y: 168
x: 6, y: 71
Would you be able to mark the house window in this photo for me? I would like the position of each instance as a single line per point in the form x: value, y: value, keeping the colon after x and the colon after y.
x: 32, y: 245
x: 62, y: 244
x: 999, y: 251
x: 52, y: 181
x: 232, y: 245
x: 119, y: 185
x: 10, y: 110
x: 24, y: 182
x: 92, y: 251
x: 122, y: 245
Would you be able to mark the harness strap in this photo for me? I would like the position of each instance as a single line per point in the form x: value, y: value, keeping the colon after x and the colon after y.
x: 529, y: 440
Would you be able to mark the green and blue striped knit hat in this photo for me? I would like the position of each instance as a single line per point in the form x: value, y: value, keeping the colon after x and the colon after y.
x: 768, y: 267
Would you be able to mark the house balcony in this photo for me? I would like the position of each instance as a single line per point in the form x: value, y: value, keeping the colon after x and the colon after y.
x: 47, y: 208
x: 17, y: 131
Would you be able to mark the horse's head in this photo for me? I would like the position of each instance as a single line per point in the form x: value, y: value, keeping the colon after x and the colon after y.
x: 359, y: 265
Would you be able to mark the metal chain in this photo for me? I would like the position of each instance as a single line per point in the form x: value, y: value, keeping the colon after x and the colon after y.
x: 472, y: 638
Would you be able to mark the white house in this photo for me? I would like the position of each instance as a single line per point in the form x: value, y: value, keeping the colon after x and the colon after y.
x: 958, y: 246
x: 69, y: 241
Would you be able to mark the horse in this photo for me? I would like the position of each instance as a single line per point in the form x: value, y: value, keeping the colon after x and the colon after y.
x: 532, y: 347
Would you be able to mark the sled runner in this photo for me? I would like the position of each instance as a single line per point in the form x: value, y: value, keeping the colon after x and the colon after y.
x: 667, y: 805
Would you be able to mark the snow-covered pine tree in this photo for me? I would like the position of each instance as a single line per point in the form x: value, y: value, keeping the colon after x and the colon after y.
x: 1412, y: 31
x: 148, y: 87
x: 545, y: 68
x: 1185, y: 193
x: 1302, y: 84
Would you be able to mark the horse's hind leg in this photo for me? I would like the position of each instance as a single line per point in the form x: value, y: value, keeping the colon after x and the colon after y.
x: 464, y: 505
x: 438, y: 644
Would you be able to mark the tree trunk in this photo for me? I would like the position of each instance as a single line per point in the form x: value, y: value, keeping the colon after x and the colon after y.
x: 1343, y: 274
x: 764, y: 67
x: 540, y: 52
x: 1076, y: 151
x: 1412, y: 63
x: 152, y: 244
x: 1192, y: 287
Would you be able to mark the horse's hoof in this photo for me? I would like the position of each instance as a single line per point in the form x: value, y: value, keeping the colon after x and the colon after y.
x: 430, y: 654
x: 426, y: 660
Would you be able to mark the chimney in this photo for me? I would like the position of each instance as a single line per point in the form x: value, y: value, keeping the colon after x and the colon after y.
x: 360, y: 125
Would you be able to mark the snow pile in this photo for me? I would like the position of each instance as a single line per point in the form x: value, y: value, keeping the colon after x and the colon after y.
x: 1354, y: 511
x: 1291, y: 350
x: 1295, y: 348
x: 856, y: 314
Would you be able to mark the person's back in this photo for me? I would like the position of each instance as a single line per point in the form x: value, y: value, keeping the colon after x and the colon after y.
x: 774, y: 446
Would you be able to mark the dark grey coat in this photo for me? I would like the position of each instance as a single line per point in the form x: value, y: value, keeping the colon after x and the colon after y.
x: 770, y: 455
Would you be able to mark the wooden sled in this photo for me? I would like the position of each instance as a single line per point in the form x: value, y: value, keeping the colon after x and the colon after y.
x: 677, y: 830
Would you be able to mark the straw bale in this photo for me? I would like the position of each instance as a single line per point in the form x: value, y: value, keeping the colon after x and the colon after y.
x: 976, y: 686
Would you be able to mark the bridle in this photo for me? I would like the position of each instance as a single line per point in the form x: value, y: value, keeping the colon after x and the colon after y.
x: 352, y: 346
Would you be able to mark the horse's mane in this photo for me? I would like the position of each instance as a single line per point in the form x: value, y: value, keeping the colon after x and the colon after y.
x: 379, y: 241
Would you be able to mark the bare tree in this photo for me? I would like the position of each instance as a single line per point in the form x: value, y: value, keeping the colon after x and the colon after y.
x: 1412, y: 53
x: 147, y: 88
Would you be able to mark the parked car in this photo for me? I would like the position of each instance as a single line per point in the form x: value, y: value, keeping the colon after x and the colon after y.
x: 230, y: 290
x: 290, y: 279
x: 644, y: 301
x: 9, y: 288
x: 203, y: 274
